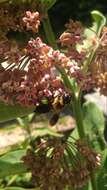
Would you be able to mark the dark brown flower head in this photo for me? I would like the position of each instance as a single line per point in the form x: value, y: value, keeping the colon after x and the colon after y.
x: 92, y: 158
x: 58, y: 163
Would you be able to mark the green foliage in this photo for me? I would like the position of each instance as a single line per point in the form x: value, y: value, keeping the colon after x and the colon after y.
x: 17, y: 188
x: 93, y: 116
x: 98, y: 22
x: 42, y: 131
x: 13, y: 157
x: 11, y: 164
x: 7, y: 168
x: 13, y: 188
x: 102, y: 174
x: 9, y: 112
x: 94, y: 124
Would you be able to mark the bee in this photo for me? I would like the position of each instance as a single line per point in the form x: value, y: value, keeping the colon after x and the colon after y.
x: 54, y: 119
x: 56, y: 103
x: 60, y: 101
x: 43, y: 108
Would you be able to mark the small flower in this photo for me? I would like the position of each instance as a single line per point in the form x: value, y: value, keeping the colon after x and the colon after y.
x: 54, y: 163
x: 73, y: 34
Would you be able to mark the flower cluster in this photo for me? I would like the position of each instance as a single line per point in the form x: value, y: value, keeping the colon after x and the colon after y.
x: 37, y: 65
x: 40, y: 76
x: 70, y: 38
x: 11, y: 16
x: 73, y: 34
x: 93, y: 159
x: 36, y: 76
x: 32, y: 21
x: 50, y: 168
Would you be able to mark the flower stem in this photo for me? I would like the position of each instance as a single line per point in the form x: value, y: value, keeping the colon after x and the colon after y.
x: 49, y: 32
x: 76, y: 100
x: 76, y: 103
x: 81, y: 131
x: 93, y: 181
x: 78, y: 116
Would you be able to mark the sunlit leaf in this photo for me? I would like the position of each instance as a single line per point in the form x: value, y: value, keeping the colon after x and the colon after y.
x: 93, y: 115
x: 102, y: 175
x: 42, y: 131
x: 11, y: 164
x: 13, y: 188
x: 9, y: 112
x: 18, y: 188
x: 7, y: 168
x: 13, y: 157
x: 99, y: 21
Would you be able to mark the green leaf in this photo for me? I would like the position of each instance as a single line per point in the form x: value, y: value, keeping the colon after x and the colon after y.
x: 102, y: 175
x: 94, y: 122
x: 7, y: 168
x: 9, y: 112
x: 99, y: 21
x: 13, y: 188
x: 87, y: 187
x: 11, y: 164
x: 42, y: 131
x: 18, y: 188
x: 93, y: 115
x: 14, y: 156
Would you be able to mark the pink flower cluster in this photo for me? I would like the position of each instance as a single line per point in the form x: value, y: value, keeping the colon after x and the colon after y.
x: 70, y: 38
x: 37, y: 79
x: 32, y: 21
x: 35, y: 76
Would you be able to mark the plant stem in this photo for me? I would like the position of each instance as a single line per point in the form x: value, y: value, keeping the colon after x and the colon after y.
x: 93, y: 181
x: 76, y: 100
x: 77, y: 106
x: 49, y: 32
x: 78, y: 116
